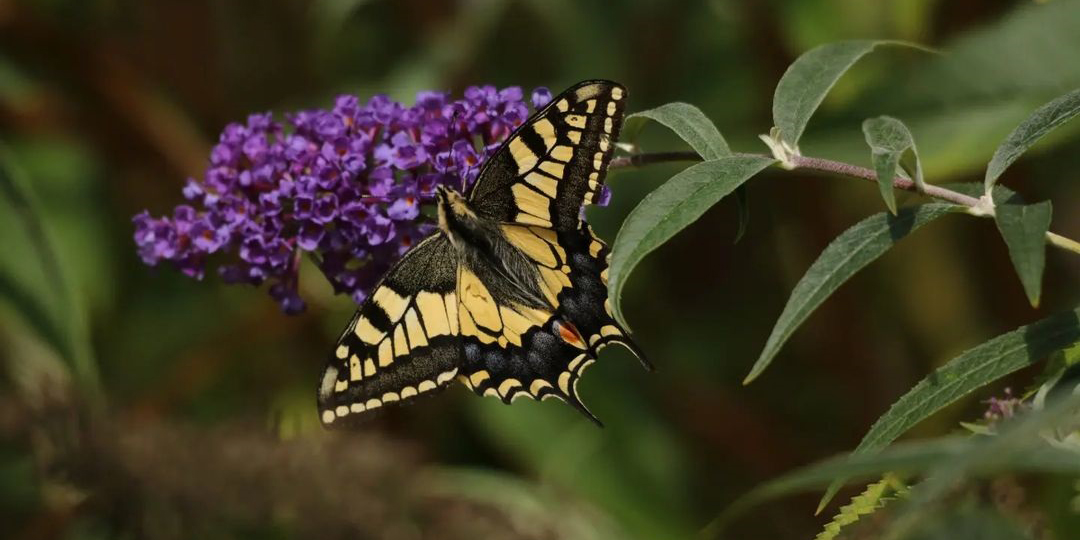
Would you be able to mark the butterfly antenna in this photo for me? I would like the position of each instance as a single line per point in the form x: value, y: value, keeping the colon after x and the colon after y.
x: 464, y: 172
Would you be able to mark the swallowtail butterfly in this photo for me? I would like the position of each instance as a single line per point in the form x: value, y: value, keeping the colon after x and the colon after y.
x: 509, y: 295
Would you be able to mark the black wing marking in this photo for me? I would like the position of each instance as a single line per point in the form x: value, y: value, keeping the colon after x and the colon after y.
x: 402, y: 342
x: 513, y: 351
x: 555, y: 162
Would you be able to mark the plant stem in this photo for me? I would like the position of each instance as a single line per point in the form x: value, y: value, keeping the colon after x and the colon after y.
x: 900, y: 182
x: 1062, y: 242
x: 854, y: 171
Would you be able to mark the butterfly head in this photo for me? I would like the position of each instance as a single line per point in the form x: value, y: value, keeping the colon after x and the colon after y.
x: 454, y: 211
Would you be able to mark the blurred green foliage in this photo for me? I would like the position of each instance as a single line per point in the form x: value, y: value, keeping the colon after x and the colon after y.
x: 209, y: 426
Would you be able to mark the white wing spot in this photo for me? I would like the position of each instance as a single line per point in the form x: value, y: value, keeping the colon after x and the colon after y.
x: 329, y: 380
x: 446, y: 376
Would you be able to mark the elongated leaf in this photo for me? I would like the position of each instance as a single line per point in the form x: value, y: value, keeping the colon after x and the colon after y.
x: 872, y: 499
x: 38, y: 308
x: 1041, y: 122
x: 35, y: 311
x: 889, y: 138
x: 909, y: 458
x: 971, y: 370
x: 670, y: 208
x: 52, y: 312
x: 847, y: 254
x: 809, y: 78
x: 1024, y: 229
x: 688, y: 122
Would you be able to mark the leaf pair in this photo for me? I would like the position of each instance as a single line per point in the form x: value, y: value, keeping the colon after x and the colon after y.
x: 889, y: 141
x: 1024, y: 227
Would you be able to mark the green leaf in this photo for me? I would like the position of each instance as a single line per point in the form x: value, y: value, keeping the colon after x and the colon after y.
x: 1041, y: 122
x: 1024, y: 229
x: 37, y: 313
x: 51, y: 310
x: 847, y: 254
x: 670, y: 208
x: 809, y: 78
x: 872, y: 499
x: 688, y: 122
x: 889, y: 139
x: 962, y: 375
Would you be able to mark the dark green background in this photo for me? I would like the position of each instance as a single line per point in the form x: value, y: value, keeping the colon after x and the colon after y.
x: 106, y: 106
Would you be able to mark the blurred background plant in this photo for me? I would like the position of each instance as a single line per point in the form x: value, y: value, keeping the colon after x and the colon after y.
x: 140, y: 403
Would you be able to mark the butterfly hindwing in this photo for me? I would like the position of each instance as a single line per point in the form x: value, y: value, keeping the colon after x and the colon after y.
x: 402, y: 342
x: 554, y: 162
x: 511, y: 351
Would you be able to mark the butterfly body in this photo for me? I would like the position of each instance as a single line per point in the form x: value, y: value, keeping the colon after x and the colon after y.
x: 483, y: 248
x: 509, y: 296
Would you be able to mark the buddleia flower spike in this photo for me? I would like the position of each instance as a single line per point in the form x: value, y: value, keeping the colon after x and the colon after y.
x: 342, y: 185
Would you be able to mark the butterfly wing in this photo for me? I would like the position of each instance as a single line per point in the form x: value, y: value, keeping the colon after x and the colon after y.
x: 554, y: 162
x: 402, y: 342
x: 511, y: 351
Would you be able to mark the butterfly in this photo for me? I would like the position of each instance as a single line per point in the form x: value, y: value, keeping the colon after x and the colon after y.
x: 509, y: 295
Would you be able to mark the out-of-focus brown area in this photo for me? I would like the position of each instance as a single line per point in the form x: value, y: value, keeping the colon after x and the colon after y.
x: 159, y: 480
x: 180, y: 409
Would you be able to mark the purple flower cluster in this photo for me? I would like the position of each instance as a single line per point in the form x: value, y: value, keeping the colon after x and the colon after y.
x: 1002, y: 408
x: 344, y: 185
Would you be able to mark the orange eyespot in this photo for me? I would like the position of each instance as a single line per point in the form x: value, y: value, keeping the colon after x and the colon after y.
x: 568, y: 333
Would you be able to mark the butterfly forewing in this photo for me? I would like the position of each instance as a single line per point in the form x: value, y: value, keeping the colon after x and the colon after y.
x: 402, y: 342
x: 555, y: 162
